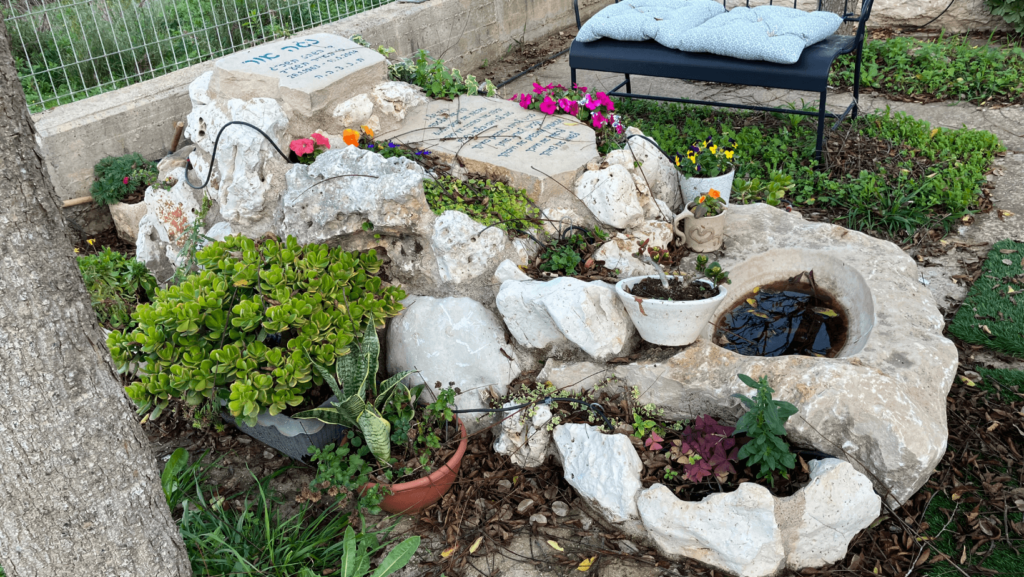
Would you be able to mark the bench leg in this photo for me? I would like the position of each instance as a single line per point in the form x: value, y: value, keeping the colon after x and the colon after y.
x: 821, y: 127
x: 572, y: 78
x: 629, y: 87
x: 856, y: 84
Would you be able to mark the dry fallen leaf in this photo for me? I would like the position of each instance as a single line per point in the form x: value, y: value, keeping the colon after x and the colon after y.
x: 448, y: 552
x: 1007, y: 251
x: 992, y: 427
x: 555, y: 546
x: 966, y: 381
x: 1007, y: 262
x: 752, y: 302
x: 586, y: 563
x: 985, y: 329
x: 963, y: 558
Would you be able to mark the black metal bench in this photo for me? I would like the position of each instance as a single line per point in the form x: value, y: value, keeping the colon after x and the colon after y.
x: 809, y: 74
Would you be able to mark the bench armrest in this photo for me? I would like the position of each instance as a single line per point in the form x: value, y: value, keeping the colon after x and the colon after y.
x: 576, y: 9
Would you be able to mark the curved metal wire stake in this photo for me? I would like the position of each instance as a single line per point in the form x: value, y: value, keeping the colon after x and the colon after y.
x: 216, y: 143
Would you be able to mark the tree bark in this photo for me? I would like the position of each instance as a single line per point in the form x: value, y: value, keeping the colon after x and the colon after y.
x: 79, y: 488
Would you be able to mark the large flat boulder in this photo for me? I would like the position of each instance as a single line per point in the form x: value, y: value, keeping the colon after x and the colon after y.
x: 880, y: 404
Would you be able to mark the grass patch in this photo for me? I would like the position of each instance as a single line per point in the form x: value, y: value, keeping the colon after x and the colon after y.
x: 947, y: 68
x: 1008, y: 381
x: 991, y: 315
x: 887, y: 173
x: 488, y: 202
x: 64, y: 51
x: 954, y: 541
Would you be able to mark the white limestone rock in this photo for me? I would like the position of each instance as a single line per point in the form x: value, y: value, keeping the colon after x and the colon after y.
x: 618, y: 252
x: 355, y: 112
x: 604, y: 470
x: 219, y: 231
x: 323, y: 200
x: 508, y: 270
x: 466, y: 249
x: 526, y: 440
x: 821, y: 519
x: 197, y: 90
x: 452, y: 340
x: 393, y: 100
x: 151, y: 248
x: 611, y: 196
x: 175, y: 210
x: 565, y: 310
x: 652, y: 172
x: 735, y: 531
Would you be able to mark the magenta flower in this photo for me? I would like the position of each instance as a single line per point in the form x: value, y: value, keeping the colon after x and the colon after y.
x: 591, y: 103
x: 599, y: 120
x: 126, y: 179
x: 548, y: 106
x: 537, y: 88
x: 619, y: 129
x: 301, y: 146
x: 580, y: 88
x: 525, y: 101
x: 320, y: 139
x: 568, y: 106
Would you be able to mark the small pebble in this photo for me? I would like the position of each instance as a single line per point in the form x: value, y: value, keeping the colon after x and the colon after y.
x: 560, y: 508
x: 538, y: 519
x: 505, y: 484
x: 586, y: 523
x: 974, y: 376
x: 244, y: 440
x: 268, y: 454
x: 524, y: 506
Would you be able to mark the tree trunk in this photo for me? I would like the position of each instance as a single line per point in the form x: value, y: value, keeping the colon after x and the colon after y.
x: 79, y: 487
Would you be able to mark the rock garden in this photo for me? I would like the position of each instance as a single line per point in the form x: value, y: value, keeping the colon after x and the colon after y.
x: 637, y: 338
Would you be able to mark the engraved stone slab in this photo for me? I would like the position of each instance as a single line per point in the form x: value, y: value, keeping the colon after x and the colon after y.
x: 306, y: 73
x: 497, y: 138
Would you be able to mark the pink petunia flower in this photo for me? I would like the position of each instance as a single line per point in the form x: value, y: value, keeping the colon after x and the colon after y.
x: 592, y: 103
x: 126, y: 179
x: 538, y: 89
x: 548, y: 106
x: 320, y: 139
x: 301, y: 146
x: 619, y: 129
x: 568, y: 106
x: 599, y: 120
x: 525, y: 101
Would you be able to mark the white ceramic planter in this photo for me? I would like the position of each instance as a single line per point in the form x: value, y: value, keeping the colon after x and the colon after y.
x: 668, y: 323
x: 703, y: 234
x: 126, y: 219
x: 692, y: 188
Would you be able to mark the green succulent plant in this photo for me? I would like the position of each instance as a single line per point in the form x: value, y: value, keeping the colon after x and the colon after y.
x: 355, y: 376
x: 243, y: 331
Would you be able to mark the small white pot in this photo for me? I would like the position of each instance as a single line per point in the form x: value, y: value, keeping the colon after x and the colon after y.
x: 127, y: 218
x: 692, y: 188
x: 668, y: 323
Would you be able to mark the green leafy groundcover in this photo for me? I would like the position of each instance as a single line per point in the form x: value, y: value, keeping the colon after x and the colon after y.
x: 990, y: 303
x: 947, y: 68
x: 1008, y: 381
x: 927, y: 178
x: 1003, y: 560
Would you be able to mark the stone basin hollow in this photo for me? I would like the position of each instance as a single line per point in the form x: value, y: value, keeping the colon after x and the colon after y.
x: 831, y: 319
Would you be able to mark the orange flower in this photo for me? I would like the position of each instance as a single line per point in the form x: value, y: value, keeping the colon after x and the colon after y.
x: 701, y: 199
x: 367, y: 130
x: 350, y: 137
x: 714, y: 193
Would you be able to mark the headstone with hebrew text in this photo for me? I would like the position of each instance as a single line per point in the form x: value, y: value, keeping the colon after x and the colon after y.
x: 306, y: 74
x: 496, y: 138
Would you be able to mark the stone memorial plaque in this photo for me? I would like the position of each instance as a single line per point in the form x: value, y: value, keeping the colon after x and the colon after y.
x: 305, y: 73
x: 497, y: 138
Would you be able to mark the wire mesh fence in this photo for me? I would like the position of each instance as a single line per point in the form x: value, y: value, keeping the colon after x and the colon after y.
x: 66, y: 50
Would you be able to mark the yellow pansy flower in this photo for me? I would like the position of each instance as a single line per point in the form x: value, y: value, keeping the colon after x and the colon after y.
x: 714, y: 148
x: 728, y: 154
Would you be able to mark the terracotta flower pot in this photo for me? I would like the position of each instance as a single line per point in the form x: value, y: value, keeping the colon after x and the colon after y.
x: 414, y: 496
x: 703, y: 234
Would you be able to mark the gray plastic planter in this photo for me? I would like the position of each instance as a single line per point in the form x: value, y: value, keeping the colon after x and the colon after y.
x: 293, y: 437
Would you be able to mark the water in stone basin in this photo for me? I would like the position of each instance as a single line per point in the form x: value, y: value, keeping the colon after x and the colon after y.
x: 786, y: 317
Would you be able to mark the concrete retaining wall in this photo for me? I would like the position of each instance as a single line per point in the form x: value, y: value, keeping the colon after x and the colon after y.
x: 141, y: 118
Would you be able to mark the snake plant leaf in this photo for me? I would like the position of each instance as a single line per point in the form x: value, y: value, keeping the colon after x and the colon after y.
x: 327, y: 376
x: 351, y: 408
x: 377, y: 433
x: 371, y: 348
x: 351, y: 370
x: 329, y: 416
x: 388, y: 388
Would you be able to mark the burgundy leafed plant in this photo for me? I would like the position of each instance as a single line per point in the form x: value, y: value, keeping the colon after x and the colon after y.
x: 705, y: 449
